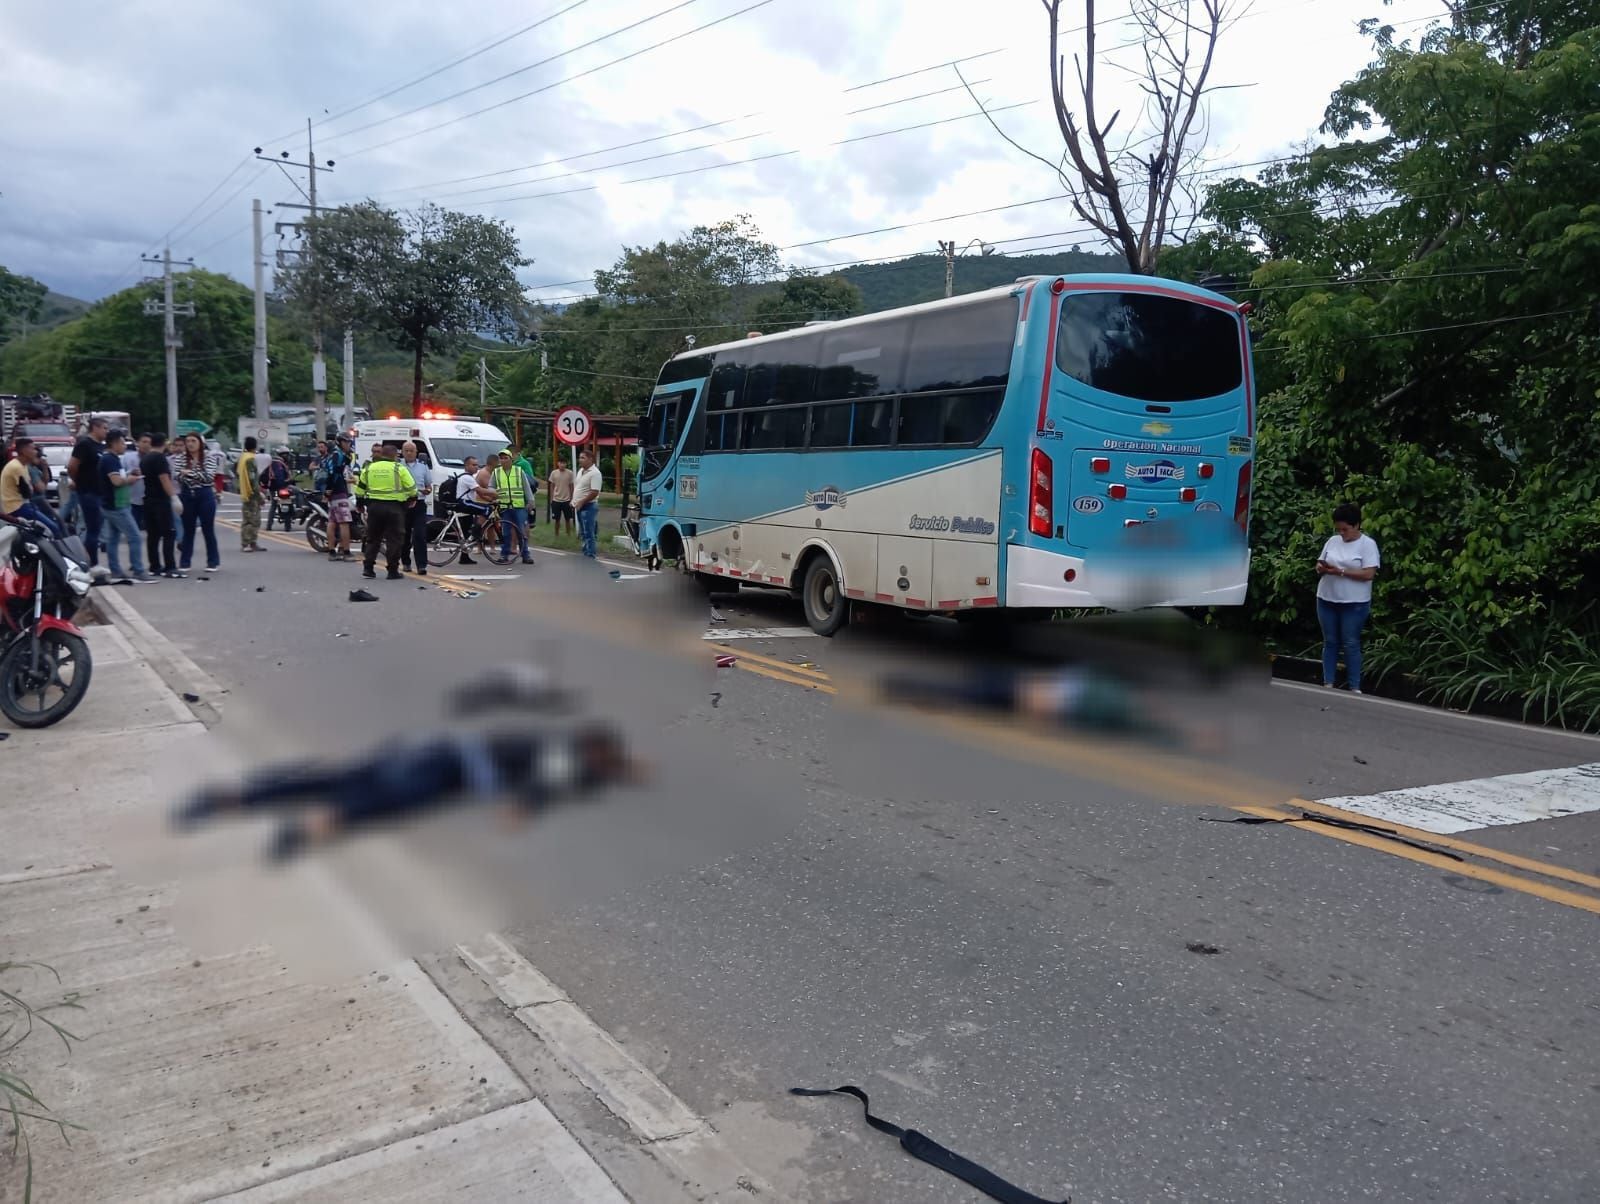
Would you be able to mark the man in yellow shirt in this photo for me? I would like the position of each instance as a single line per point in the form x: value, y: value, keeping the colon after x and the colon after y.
x: 249, y: 497
x: 384, y: 488
x: 16, y: 486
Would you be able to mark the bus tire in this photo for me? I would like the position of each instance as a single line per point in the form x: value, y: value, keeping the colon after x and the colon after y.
x: 823, y: 597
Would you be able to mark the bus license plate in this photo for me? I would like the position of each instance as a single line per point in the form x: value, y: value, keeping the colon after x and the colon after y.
x: 1150, y: 534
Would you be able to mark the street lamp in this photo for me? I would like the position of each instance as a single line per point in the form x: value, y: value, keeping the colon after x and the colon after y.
x: 948, y: 250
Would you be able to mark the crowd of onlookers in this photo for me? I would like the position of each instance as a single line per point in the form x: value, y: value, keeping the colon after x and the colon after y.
x: 119, y: 491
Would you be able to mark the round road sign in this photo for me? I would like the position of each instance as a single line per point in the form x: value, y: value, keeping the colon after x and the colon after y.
x: 573, y: 425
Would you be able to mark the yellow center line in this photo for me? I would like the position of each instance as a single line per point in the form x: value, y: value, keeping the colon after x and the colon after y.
x: 1160, y: 775
x: 1531, y: 864
x: 443, y: 580
x: 798, y: 670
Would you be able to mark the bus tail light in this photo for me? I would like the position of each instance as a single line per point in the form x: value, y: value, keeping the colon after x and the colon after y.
x: 1186, y: 494
x: 1117, y: 492
x: 1241, y: 503
x: 1100, y: 464
x: 1041, y: 501
x: 1207, y: 471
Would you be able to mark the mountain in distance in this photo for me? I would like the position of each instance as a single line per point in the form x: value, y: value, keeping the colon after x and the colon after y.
x: 58, y: 309
x: 921, y: 277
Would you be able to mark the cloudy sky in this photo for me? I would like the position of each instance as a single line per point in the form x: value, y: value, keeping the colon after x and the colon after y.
x: 130, y: 125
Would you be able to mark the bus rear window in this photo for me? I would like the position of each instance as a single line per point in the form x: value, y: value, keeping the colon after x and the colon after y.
x: 1149, y: 348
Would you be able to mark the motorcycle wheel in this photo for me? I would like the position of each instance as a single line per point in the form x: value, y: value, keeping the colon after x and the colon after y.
x: 32, y: 697
x: 317, y: 534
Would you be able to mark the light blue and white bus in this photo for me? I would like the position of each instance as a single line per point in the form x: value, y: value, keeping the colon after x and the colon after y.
x: 1080, y: 441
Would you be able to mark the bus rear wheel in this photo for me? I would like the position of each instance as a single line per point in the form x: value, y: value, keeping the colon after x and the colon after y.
x: 825, y: 604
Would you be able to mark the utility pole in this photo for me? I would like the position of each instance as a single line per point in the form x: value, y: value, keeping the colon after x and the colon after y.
x: 483, y: 382
x: 263, y: 398
x: 319, y: 366
x: 349, y: 375
x: 948, y: 250
x: 169, y: 330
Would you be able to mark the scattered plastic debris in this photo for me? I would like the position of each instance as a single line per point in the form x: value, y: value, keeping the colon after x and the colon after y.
x: 726, y: 661
x: 716, y: 698
x: 261, y: 589
x: 1201, y: 947
x: 469, y: 593
x: 187, y: 697
x: 1359, y: 760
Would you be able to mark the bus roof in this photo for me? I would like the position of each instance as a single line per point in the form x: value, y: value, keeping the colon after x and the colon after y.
x: 1002, y: 290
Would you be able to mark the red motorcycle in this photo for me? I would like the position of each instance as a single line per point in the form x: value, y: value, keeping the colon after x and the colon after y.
x: 45, y: 663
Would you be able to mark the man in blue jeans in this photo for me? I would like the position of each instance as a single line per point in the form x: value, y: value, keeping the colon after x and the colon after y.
x: 586, y: 501
x: 87, y: 485
x: 118, y: 511
x: 514, y: 490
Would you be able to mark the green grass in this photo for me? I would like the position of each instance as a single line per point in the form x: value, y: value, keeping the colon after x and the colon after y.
x: 1548, y: 667
x: 19, y: 1020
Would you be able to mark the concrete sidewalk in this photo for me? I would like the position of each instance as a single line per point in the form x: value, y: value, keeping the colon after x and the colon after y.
x: 214, y: 1077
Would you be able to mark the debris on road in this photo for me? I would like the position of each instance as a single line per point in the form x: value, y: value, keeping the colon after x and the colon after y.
x: 1201, y: 947
x: 361, y: 595
x: 716, y: 698
x: 1359, y: 760
x: 726, y: 661
x: 187, y: 697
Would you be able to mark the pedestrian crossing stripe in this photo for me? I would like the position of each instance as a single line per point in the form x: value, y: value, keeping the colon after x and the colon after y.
x: 1516, y: 798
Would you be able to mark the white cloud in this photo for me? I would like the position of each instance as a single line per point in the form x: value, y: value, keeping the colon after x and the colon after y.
x: 119, y: 119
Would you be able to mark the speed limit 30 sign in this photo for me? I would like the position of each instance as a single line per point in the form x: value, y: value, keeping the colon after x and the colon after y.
x: 573, y: 426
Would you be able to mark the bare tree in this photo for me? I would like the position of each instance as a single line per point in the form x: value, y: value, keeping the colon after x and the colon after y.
x: 1127, y: 182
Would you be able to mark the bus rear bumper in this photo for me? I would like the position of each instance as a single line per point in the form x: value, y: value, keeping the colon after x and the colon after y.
x: 1037, y: 578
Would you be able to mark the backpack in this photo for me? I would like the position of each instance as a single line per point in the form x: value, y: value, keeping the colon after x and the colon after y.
x: 332, y: 472
x: 447, y: 491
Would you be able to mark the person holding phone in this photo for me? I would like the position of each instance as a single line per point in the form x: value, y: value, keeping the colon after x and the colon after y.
x: 1348, y: 563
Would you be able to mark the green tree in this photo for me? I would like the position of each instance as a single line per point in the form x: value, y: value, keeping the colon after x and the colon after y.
x: 806, y: 297
x: 426, y: 279
x: 21, y: 300
x: 111, y: 357
x: 1426, y: 323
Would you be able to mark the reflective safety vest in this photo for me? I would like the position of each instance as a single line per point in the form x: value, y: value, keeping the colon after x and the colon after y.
x: 508, y: 484
x: 385, y: 481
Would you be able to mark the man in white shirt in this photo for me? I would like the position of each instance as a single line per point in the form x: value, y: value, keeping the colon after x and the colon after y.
x: 586, y: 501
x: 467, y: 499
x: 415, y: 547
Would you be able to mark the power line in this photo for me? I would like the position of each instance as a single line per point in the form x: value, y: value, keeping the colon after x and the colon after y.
x: 686, y: 150
x: 567, y: 80
x: 512, y: 74
x: 455, y: 62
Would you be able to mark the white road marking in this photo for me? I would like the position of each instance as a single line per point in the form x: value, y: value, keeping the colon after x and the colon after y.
x: 481, y: 576
x: 1516, y: 798
x: 1372, y: 700
x: 757, y: 633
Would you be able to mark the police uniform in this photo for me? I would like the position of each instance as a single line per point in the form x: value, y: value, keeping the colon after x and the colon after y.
x: 386, y: 488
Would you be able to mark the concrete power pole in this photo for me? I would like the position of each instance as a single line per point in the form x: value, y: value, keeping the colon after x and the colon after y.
x: 169, y: 330
x: 263, y: 398
x: 349, y: 375
x: 948, y: 249
x: 319, y: 366
x: 483, y: 383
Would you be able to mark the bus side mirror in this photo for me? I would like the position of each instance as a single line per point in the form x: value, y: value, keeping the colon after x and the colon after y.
x: 644, y: 424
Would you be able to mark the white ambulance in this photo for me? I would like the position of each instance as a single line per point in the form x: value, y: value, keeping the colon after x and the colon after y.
x: 444, y: 443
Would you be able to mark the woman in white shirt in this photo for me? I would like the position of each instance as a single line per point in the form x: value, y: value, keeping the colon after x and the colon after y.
x: 1348, y: 563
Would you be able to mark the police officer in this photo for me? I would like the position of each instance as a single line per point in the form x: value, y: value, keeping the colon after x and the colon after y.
x: 385, y: 488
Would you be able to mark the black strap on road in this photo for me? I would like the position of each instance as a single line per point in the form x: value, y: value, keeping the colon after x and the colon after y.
x: 921, y: 1146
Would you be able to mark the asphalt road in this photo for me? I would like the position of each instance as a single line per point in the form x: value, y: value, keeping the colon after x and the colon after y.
x: 1055, y: 956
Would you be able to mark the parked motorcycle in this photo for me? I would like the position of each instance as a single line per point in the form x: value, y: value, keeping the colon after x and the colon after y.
x: 316, y: 522
x: 284, y: 508
x: 45, y: 663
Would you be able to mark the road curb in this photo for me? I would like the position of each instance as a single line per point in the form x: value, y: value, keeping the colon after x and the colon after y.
x: 196, y: 688
x: 667, y: 1127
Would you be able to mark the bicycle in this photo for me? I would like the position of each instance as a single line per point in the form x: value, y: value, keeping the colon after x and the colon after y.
x: 449, y: 537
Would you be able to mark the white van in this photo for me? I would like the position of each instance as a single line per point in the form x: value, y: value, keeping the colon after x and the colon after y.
x: 441, y: 442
